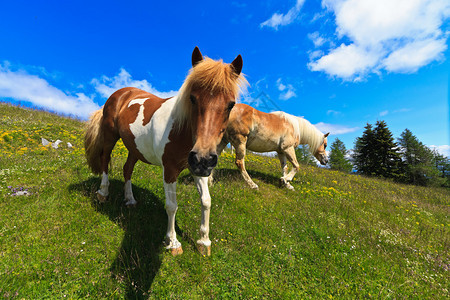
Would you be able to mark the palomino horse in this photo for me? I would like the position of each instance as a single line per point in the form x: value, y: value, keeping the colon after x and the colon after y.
x: 277, y: 131
x: 175, y: 133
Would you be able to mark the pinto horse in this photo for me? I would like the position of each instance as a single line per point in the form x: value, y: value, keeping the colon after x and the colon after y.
x: 257, y: 131
x: 175, y: 133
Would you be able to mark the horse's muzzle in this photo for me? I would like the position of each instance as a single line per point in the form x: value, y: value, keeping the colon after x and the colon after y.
x: 323, y: 161
x: 202, y: 166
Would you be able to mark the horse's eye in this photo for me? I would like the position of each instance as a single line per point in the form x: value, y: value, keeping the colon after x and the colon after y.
x: 230, y: 105
x: 193, y: 99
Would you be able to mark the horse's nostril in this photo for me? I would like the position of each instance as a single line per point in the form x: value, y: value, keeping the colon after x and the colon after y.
x: 193, y: 158
x: 213, y: 160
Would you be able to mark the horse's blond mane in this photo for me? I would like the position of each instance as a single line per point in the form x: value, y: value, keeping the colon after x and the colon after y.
x: 213, y: 76
x: 304, y: 131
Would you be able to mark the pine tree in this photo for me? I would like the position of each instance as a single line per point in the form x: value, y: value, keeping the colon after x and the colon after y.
x: 442, y: 164
x: 388, y: 158
x: 337, y: 157
x: 364, y: 152
x: 304, y: 155
x: 421, y: 164
x: 377, y: 154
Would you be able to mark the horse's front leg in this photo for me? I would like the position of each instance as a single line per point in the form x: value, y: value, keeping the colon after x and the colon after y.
x: 240, y: 163
x: 171, y: 242
x: 204, y: 243
x: 290, y: 154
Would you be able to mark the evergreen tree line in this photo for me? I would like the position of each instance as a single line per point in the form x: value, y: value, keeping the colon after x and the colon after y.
x: 376, y: 153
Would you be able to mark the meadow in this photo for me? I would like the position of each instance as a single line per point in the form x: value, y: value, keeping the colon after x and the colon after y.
x: 336, y: 236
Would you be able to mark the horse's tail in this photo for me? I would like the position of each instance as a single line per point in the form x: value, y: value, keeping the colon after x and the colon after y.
x: 93, y: 141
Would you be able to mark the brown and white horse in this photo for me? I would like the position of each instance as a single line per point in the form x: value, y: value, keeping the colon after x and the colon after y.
x: 257, y: 131
x: 175, y: 133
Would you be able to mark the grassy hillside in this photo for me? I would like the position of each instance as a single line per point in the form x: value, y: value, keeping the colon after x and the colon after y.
x: 336, y: 236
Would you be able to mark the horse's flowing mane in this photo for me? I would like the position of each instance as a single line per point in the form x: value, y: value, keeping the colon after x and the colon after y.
x: 304, y: 131
x: 214, y: 77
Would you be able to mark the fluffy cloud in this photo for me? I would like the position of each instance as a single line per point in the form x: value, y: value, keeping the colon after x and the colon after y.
x: 317, y: 39
x: 283, y: 19
x: 105, y: 86
x: 346, y: 61
x: 21, y: 86
x: 443, y: 149
x: 391, y: 35
x: 335, y: 129
x: 288, y: 91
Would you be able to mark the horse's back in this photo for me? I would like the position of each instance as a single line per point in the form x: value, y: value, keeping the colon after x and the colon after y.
x: 264, y: 131
x: 127, y: 114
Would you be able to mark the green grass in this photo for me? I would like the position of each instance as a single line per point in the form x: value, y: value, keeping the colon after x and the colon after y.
x: 336, y: 236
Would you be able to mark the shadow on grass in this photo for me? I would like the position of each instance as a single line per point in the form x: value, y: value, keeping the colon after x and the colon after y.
x: 139, y: 257
x: 234, y: 175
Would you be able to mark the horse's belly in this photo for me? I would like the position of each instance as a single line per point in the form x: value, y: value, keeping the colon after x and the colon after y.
x: 259, y: 145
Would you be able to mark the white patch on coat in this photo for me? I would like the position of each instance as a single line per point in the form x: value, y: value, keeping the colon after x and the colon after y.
x: 139, y: 101
x: 152, y: 138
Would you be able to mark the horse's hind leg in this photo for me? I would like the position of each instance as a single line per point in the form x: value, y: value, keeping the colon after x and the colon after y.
x: 110, y: 142
x: 127, y: 172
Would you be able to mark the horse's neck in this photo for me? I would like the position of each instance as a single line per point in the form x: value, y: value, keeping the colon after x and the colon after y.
x: 309, y: 135
x: 180, y: 109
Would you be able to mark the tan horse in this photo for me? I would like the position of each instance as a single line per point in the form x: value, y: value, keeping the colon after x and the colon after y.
x: 175, y: 133
x: 257, y: 131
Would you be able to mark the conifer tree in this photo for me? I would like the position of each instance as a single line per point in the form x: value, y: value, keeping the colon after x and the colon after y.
x: 377, y: 154
x: 387, y: 159
x: 364, y: 155
x: 421, y: 164
x: 337, y: 159
x: 304, y: 155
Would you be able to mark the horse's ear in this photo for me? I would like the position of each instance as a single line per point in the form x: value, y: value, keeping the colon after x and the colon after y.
x: 196, y: 56
x: 237, y: 64
x: 326, y: 135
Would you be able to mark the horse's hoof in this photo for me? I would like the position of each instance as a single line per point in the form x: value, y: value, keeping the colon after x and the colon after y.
x: 254, y: 187
x: 176, y: 251
x: 101, y: 198
x: 131, y: 203
x: 204, y: 250
x: 290, y: 187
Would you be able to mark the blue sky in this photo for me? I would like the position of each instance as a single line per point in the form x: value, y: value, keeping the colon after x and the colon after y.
x: 338, y: 63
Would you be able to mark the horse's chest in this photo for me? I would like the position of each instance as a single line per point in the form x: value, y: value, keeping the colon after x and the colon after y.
x: 151, y: 138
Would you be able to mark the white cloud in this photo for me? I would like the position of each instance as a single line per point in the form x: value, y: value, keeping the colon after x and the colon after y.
x: 317, y: 39
x: 414, y: 55
x: 442, y: 149
x: 346, y: 61
x: 21, y: 86
x: 281, y: 86
x: 315, y: 54
x: 333, y: 112
x: 391, y: 35
x: 288, y: 91
x: 284, y: 19
x: 384, y: 113
x: 335, y: 129
x: 105, y: 86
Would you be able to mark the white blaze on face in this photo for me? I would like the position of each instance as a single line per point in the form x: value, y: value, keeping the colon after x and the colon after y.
x: 152, y: 138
